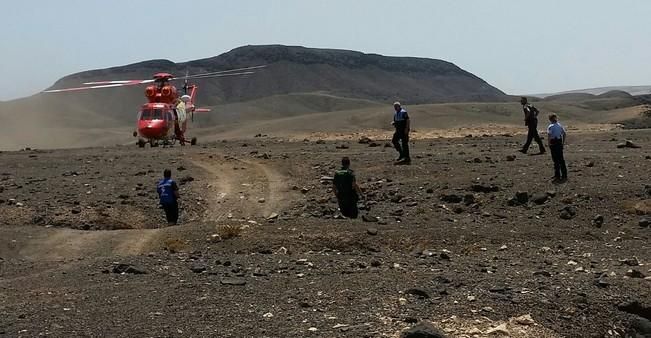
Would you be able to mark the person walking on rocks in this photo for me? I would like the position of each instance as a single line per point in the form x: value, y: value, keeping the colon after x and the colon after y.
x: 531, y: 121
x: 346, y: 189
x: 168, y: 193
x: 556, y: 139
x: 401, y: 135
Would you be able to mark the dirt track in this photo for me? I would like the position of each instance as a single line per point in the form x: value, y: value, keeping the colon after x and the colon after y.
x: 445, y: 245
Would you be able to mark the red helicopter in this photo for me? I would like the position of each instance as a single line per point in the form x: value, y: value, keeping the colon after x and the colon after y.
x: 163, y: 119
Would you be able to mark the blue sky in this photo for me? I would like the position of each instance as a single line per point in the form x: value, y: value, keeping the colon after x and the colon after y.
x: 520, y: 46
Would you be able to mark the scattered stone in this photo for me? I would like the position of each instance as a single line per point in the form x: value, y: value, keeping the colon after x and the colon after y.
x: 233, y: 281
x: 634, y: 273
x: 422, y: 330
x: 540, y: 198
x: 429, y: 191
x: 590, y: 164
x: 520, y: 198
x: 180, y: 168
x: 598, y: 221
x: 397, y: 212
x: 342, y: 146
x: 365, y: 140
x: 127, y: 268
x: 185, y: 179
x: 261, y: 200
x: 369, y: 218
x: 510, y: 158
x: 374, y: 144
x: 451, y: 198
x: 320, y: 142
x: 645, y: 222
x: 469, y: 199
x: 499, y: 330
x: 371, y: 231
x: 484, y: 188
x: 601, y: 282
x: 636, y: 308
x: 524, y: 320
x: 641, y: 327
x: 273, y: 216
x: 628, y: 144
x: 631, y: 261
x: 198, y: 268
x: 542, y: 273
x: 568, y: 212
x: 412, y: 204
x: 420, y: 293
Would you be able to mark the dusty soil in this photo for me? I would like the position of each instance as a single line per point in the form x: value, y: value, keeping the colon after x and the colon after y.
x: 262, y: 252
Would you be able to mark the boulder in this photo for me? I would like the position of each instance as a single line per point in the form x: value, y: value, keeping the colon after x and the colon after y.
x: 422, y: 330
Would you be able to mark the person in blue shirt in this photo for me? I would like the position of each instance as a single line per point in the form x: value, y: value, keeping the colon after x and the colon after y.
x: 556, y: 140
x: 401, y: 135
x: 168, y: 193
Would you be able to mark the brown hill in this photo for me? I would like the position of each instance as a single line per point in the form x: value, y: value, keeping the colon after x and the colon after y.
x: 341, y: 73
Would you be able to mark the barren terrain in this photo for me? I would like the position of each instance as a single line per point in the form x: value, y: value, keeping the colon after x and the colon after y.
x: 471, y: 237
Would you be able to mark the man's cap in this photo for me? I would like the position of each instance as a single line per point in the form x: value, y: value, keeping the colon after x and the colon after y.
x: 185, y: 97
x: 396, y: 104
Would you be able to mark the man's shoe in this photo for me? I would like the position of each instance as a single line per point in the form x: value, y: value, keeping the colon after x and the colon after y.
x: 522, y: 151
x: 404, y: 161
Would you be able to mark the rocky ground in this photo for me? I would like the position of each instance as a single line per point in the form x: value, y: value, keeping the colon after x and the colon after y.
x: 471, y: 240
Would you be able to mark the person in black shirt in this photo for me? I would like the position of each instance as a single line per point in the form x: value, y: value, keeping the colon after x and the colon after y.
x: 531, y: 121
x: 346, y: 189
x: 401, y: 135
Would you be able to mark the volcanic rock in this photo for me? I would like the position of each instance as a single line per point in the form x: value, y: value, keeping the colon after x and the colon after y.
x: 422, y: 330
x: 628, y: 144
x: 420, y: 293
x: 233, y: 281
x: 484, y: 188
x: 365, y: 140
x: 127, y: 268
x: 598, y: 221
x: 451, y: 198
x: 539, y: 198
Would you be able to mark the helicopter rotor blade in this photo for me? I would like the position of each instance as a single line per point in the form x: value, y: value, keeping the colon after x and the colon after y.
x: 123, y: 82
x: 120, y: 83
x: 204, y: 76
x: 194, y: 76
x: 87, y: 87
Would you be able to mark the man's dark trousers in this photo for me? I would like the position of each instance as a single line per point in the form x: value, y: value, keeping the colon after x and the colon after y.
x: 532, y: 134
x: 348, y: 207
x: 401, y: 137
x: 560, y: 169
x: 171, y: 212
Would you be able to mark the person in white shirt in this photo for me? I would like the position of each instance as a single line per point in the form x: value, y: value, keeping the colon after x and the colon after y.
x: 556, y: 138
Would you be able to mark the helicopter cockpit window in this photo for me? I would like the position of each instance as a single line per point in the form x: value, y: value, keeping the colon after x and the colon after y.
x: 152, y: 114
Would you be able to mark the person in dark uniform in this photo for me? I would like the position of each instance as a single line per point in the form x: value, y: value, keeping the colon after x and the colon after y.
x: 401, y: 135
x: 346, y: 189
x: 556, y: 139
x: 168, y: 193
x: 531, y: 121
